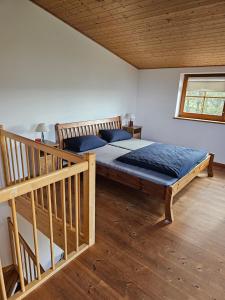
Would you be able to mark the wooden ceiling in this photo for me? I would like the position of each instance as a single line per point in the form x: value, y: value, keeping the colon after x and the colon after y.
x: 150, y: 33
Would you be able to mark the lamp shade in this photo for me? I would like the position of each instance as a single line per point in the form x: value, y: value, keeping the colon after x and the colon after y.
x: 42, y: 127
x: 130, y: 116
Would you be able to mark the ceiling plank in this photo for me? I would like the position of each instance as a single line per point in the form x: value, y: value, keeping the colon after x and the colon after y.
x: 150, y: 33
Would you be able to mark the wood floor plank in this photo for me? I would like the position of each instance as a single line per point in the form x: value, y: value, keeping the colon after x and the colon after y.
x: 137, y: 257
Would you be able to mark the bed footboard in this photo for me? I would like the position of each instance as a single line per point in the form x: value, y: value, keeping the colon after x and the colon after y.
x: 172, y: 190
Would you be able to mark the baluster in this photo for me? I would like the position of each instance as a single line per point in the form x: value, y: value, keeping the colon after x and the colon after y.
x: 8, y: 161
x: 4, y: 157
x: 22, y: 160
x: 34, y: 172
x: 29, y: 263
x: 28, y: 161
x: 63, y: 199
x: 60, y: 163
x: 46, y: 162
x: 11, y: 239
x: 40, y: 173
x: 33, y: 163
x: 12, y: 161
x: 46, y: 172
x: 25, y: 263
x: 34, y: 221
x: 50, y: 226
x: 54, y: 189
x: 17, y: 243
x: 70, y: 200
x: 34, y: 270
x: 17, y: 161
x: 79, y: 206
x: 77, y: 211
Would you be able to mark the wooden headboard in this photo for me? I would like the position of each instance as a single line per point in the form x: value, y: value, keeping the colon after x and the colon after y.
x: 68, y: 130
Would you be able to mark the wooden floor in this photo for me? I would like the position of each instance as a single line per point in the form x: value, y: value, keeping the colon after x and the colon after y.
x: 137, y: 257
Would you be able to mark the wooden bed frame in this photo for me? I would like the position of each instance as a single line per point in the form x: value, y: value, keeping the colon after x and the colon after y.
x: 167, y: 193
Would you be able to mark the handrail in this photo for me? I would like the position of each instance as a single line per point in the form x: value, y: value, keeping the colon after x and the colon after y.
x: 25, y: 187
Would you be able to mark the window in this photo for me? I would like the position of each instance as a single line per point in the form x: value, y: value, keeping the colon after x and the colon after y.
x: 203, y: 97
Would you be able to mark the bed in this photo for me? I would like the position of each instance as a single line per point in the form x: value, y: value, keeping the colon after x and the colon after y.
x: 150, y: 182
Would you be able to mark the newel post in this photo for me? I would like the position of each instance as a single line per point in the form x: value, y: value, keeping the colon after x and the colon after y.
x: 89, y: 182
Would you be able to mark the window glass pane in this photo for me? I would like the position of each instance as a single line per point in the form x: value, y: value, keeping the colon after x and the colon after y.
x: 193, y: 105
x: 207, y: 84
x: 213, y: 106
x: 195, y: 93
x: 205, y: 95
x: 215, y: 94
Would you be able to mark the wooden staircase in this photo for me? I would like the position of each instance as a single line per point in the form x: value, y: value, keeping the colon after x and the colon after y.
x: 11, y: 278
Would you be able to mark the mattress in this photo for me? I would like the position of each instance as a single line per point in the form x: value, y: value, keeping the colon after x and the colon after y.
x: 132, y: 144
x: 107, y: 155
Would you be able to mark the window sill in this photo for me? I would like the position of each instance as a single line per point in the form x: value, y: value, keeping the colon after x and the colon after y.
x: 199, y: 120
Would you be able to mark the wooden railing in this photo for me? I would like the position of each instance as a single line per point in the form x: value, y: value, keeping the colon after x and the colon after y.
x: 28, y: 258
x: 55, y: 191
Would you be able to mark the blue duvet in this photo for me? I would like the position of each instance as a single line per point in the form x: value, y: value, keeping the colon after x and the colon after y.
x: 171, y: 160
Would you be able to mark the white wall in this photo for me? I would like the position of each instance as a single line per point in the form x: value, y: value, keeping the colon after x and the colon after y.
x: 51, y: 73
x: 156, y: 106
x: 5, y: 250
x: 26, y: 230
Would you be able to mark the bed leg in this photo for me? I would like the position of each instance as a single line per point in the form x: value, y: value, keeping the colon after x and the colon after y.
x: 169, y: 205
x: 210, y: 166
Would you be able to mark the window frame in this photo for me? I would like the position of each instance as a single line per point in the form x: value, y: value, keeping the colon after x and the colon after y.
x: 203, y: 117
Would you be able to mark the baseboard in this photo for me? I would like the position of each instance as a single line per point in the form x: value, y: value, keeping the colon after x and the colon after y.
x: 219, y: 165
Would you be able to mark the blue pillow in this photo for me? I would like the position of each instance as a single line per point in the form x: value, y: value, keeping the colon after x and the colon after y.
x: 84, y: 143
x: 113, y: 135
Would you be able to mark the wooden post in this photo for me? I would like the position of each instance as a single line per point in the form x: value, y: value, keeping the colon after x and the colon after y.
x: 210, y: 167
x: 63, y: 204
x: 169, y: 205
x: 35, y: 236
x: 77, y: 210
x: 4, y: 157
x: 17, y: 244
x: 11, y: 239
x: 50, y: 226
x: 89, y: 199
